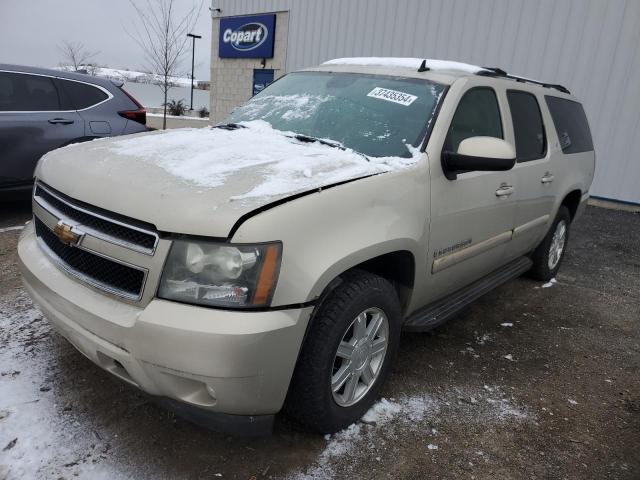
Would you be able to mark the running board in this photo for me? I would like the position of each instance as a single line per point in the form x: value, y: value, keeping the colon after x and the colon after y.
x: 442, y: 310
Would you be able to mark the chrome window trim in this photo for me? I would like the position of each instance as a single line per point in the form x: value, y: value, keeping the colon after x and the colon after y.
x: 94, y: 233
x: 109, y: 94
x: 88, y: 280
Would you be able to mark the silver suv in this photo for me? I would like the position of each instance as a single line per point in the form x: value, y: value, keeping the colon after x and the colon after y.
x: 272, y: 260
x: 41, y: 110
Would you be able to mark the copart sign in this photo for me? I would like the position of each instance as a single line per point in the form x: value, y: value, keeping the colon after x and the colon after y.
x: 247, y: 37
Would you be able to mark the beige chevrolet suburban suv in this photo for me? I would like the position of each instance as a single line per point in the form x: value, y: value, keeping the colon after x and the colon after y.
x: 271, y: 261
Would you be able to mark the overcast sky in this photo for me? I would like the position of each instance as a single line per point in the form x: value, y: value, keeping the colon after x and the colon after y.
x: 31, y: 30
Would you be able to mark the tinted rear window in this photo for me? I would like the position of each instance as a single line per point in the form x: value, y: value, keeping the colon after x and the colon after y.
x: 527, y: 125
x: 571, y: 124
x: 83, y: 95
x: 27, y: 93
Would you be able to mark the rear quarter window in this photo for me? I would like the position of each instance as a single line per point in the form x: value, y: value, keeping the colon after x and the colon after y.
x: 571, y: 125
x: 83, y: 95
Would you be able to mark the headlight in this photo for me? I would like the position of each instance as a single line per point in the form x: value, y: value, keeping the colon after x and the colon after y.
x: 221, y: 274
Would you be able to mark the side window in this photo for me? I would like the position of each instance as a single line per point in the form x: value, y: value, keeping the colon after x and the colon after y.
x: 477, y: 115
x: 571, y: 124
x: 27, y: 93
x: 82, y: 95
x: 531, y: 141
x: 6, y: 92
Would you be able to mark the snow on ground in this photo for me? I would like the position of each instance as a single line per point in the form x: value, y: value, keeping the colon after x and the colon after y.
x: 34, y: 435
x: 129, y: 75
x: 388, y: 418
x: 11, y: 229
x: 282, y: 164
x: 405, y: 62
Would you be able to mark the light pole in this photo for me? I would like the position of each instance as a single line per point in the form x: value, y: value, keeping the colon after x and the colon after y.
x: 193, y: 56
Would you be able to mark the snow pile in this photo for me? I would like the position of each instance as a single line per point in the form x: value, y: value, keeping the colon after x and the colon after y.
x: 121, y: 75
x: 267, y: 161
x: 416, y: 413
x: 405, y: 62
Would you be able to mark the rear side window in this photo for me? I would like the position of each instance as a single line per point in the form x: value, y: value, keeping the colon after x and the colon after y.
x: 571, y: 124
x: 82, y: 95
x: 531, y: 142
x: 477, y: 115
x: 27, y: 93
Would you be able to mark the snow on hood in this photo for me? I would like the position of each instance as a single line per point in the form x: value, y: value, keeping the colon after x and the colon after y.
x: 284, y: 165
x: 201, y: 181
x: 406, y: 62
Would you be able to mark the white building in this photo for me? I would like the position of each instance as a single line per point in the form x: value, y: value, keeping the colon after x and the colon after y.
x: 591, y: 47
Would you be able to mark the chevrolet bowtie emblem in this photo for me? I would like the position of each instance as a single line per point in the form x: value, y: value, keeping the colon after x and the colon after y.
x: 65, y: 234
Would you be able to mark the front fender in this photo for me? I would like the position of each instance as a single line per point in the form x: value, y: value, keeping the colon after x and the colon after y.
x: 330, y: 231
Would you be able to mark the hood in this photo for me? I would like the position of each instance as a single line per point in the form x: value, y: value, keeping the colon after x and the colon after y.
x: 201, y: 181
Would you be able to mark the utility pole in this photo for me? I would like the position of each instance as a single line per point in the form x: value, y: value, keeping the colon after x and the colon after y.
x: 193, y: 57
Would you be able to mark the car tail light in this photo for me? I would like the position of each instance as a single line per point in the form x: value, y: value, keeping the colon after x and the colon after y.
x: 138, y: 115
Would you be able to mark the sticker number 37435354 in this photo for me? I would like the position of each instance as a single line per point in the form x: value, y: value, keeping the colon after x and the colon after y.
x: 394, y: 96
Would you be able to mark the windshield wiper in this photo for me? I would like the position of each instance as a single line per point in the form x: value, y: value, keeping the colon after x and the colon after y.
x: 308, y: 139
x: 229, y: 126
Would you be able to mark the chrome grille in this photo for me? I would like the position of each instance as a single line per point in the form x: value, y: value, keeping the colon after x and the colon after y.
x: 104, y: 225
x: 101, y: 272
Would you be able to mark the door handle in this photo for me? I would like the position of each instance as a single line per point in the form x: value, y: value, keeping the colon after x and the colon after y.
x: 547, y: 178
x: 63, y: 121
x: 504, y: 190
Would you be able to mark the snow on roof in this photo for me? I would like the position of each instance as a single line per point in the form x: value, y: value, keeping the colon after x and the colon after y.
x: 406, y: 62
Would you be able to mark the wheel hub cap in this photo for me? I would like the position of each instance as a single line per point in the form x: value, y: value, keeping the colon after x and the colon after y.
x: 359, y: 358
x: 557, y: 244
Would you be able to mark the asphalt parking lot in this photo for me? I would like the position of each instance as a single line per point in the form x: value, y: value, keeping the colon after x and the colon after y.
x: 529, y: 382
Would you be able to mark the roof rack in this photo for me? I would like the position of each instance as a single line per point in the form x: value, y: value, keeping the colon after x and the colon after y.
x: 498, y: 72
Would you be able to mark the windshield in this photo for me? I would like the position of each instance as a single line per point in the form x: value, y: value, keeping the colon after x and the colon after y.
x: 371, y: 114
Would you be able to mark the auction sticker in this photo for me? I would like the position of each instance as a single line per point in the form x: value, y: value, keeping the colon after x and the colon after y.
x: 394, y: 96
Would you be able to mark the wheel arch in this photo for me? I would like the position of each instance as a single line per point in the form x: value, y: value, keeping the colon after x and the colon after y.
x: 572, y: 201
x: 397, y: 266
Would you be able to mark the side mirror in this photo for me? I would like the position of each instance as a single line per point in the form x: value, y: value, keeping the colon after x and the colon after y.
x: 487, y: 154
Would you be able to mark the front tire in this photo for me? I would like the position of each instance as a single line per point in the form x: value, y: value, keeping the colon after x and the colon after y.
x: 549, y: 254
x: 349, y: 352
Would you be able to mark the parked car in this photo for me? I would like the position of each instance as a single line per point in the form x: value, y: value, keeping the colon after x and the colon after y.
x: 41, y: 110
x: 273, y: 260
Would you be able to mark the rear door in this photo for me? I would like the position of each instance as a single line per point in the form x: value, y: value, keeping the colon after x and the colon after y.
x: 88, y: 100
x: 33, y: 121
x: 536, y: 171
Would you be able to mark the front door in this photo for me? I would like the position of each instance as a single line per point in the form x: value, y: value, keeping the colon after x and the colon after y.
x: 472, y: 215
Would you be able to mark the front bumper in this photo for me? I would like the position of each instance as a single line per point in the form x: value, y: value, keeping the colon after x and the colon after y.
x: 229, y: 362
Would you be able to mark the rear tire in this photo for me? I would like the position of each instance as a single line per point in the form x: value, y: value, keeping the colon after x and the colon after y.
x: 333, y: 387
x: 549, y: 254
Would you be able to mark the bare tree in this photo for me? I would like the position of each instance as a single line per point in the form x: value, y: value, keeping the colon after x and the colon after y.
x: 163, y: 39
x: 75, y: 54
